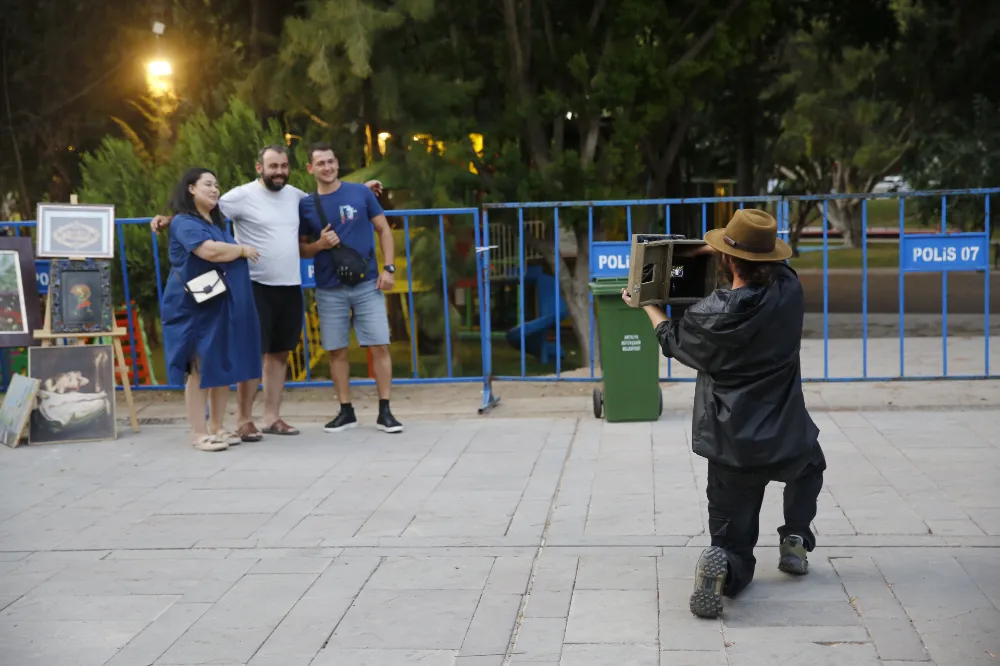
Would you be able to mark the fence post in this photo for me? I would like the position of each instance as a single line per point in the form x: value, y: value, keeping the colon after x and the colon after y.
x: 120, y: 228
x: 986, y: 294
x: 944, y: 295
x: 482, y: 248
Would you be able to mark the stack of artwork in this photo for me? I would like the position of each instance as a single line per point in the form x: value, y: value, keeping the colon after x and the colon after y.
x: 69, y: 394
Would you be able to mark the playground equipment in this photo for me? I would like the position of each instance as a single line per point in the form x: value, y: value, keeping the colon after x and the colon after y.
x: 142, y: 364
x: 301, y: 369
x: 536, y: 331
x: 147, y: 376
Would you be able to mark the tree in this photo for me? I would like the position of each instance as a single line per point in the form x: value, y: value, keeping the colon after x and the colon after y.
x: 602, y: 100
x: 123, y: 173
x: 845, y: 130
x: 60, y: 101
x: 950, y: 50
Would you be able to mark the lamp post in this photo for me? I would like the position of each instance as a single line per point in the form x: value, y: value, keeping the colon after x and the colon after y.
x: 162, y: 98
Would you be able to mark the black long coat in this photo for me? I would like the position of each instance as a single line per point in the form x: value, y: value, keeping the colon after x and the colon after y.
x: 749, y: 410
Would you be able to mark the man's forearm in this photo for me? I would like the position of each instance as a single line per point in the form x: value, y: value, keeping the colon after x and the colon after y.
x: 656, y: 315
x: 308, y: 250
x: 388, y: 245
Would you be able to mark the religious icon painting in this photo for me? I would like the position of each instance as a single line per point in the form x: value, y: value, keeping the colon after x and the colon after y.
x: 76, y: 231
x: 81, y: 296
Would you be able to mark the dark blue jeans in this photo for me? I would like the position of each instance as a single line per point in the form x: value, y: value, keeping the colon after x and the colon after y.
x: 734, y: 500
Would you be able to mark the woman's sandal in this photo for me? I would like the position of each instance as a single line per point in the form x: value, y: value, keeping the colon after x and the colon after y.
x: 230, y: 438
x: 210, y: 443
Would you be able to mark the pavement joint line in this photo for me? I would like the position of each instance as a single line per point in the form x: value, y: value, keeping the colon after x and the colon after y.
x: 346, y: 610
x: 902, y: 607
x: 525, y: 599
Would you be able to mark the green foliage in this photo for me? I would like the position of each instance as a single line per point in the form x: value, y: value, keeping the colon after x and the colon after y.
x: 839, y: 120
x: 121, y: 173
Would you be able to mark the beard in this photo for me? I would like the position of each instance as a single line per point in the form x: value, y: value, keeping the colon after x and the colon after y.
x: 269, y: 182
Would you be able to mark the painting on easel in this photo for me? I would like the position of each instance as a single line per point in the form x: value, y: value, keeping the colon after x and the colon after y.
x: 81, y: 296
x: 76, y: 399
x: 76, y: 231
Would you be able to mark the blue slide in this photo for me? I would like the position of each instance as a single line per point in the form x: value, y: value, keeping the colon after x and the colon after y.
x: 536, y: 331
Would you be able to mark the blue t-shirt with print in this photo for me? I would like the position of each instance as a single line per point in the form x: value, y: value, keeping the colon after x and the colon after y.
x: 349, y: 211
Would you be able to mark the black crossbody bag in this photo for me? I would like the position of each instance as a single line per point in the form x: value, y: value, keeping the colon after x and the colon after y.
x: 350, y: 267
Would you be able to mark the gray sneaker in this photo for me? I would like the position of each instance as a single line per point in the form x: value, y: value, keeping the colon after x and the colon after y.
x: 793, y: 557
x: 709, y: 579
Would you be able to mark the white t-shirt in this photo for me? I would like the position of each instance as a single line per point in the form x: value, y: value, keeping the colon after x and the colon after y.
x: 268, y: 221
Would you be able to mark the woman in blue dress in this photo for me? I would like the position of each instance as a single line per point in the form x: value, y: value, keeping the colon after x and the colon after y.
x: 216, y: 343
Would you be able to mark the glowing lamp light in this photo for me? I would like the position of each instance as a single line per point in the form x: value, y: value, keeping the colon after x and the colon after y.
x: 382, y: 138
x: 159, y: 68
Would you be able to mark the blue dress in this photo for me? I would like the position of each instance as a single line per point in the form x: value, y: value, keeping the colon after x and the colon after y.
x: 223, y: 333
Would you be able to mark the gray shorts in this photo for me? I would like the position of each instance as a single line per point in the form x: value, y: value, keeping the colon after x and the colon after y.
x: 362, y: 306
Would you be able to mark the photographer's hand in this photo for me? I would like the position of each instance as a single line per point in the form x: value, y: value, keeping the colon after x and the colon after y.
x: 656, y: 315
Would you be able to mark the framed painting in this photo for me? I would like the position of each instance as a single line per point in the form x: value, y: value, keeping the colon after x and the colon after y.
x: 20, y: 307
x: 16, y: 408
x: 76, y: 231
x: 76, y: 396
x: 80, y: 292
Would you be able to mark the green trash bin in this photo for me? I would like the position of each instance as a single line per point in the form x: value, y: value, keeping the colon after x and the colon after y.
x: 630, y: 357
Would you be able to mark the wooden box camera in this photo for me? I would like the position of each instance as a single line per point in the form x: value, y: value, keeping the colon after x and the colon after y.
x: 662, y: 271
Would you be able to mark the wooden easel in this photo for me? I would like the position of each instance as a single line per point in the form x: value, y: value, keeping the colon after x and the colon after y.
x: 46, y: 336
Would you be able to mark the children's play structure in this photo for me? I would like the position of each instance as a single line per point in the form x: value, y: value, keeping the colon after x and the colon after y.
x: 540, y: 317
x: 539, y: 330
x: 539, y: 307
x: 18, y: 357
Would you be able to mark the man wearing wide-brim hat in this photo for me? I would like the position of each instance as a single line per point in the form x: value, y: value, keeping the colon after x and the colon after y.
x: 750, y: 419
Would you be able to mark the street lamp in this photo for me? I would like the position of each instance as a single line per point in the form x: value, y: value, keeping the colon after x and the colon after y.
x: 158, y: 78
x: 159, y: 68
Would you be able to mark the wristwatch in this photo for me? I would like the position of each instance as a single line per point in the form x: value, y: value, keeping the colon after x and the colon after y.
x: 390, y: 268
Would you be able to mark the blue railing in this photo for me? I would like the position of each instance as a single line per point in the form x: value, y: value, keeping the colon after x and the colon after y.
x: 471, y: 226
x: 919, y: 253
x: 944, y: 252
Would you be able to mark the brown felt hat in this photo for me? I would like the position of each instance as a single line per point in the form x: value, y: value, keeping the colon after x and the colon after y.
x: 752, y: 234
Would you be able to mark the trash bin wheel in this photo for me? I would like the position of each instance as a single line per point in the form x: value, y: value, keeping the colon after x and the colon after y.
x: 598, y: 403
x: 661, y: 400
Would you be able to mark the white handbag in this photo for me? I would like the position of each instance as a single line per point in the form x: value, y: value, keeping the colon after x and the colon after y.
x: 206, y: 286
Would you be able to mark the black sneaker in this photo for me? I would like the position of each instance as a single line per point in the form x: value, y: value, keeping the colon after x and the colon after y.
x: 709, y: 580
x: 387, y: 422
x: 793, y: 558
x: 345, y: 420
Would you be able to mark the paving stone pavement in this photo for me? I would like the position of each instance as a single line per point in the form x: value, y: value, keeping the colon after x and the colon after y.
x: 491, y: 542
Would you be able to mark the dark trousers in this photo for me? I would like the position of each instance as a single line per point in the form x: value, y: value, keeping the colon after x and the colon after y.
x: 734, y: 500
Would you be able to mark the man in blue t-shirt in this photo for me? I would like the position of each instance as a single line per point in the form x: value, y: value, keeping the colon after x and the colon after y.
x: 348, y: 213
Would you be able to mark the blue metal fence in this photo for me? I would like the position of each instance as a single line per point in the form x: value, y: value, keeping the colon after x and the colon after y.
x: 962, y: 254
x: 919, y: 252
x: 463, y: 221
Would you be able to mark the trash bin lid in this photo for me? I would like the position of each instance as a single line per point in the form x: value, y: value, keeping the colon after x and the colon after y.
x: 608, y: 286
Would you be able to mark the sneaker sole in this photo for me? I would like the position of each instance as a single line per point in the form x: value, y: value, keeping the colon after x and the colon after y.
x: 709, y: 579
x: 389, y: 429
x: 341, y: 428
x: 799, y: 568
